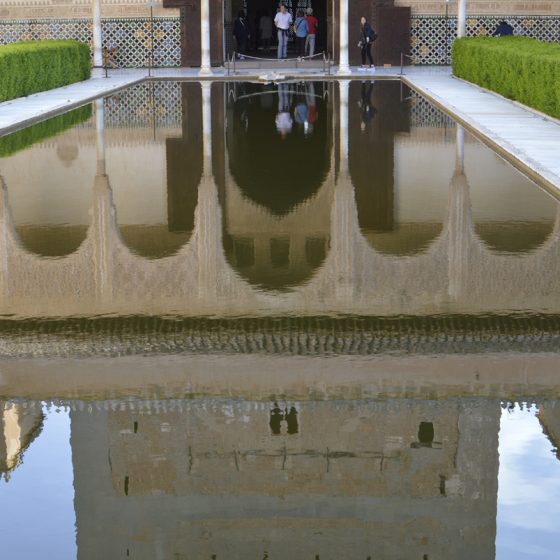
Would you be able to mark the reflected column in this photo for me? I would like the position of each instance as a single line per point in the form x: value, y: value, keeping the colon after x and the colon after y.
x: 103, y: 221
x: 208, y: 214
x: 459, y: 222
x: 344, y: 213
x: 6, y: 226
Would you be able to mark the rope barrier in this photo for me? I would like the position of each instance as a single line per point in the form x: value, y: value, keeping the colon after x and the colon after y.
x: 233, y: 62
x: 297, y: 59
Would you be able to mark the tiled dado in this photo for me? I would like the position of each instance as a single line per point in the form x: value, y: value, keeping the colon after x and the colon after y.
x: 131, y: 36
x: 431, y: 36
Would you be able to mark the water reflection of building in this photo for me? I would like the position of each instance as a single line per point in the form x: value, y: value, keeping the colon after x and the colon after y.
x: 400, y: 478
x: 18, y: 428
x: 396, y: 253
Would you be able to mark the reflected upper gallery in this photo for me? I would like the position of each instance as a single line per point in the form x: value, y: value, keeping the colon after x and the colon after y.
x: 232, y: 213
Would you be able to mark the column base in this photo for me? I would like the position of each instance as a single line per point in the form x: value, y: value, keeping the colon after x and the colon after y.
x: 205, y: 71
x: 344, y: 70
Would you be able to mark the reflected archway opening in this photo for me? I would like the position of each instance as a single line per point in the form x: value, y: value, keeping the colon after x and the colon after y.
x: 156, y: 233
x: 279, y: 142
x: 514, y: 237
x: 276, y: 262
x: 378, y: 113
x: 55, y: 241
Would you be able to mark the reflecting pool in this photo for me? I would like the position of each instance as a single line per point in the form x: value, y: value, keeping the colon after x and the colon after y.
x: 247, y: 320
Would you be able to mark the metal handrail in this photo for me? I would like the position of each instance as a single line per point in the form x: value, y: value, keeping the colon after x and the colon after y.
x: 402, y: 60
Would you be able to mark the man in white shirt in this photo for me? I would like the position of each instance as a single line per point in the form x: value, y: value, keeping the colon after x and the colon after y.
x: 283, y: 20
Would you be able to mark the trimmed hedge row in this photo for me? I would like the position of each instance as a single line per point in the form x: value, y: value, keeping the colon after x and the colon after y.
x: 34, y: 66
x: 518, y: 68
x: 26, y: 137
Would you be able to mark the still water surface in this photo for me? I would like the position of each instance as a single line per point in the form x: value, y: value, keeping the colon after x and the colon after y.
x: 257, y: 321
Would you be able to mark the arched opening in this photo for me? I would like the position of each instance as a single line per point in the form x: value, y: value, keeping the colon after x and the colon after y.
x: 276, y: 213
x: 276, y: 262
x: 390, y: 220
x: 160, y: 220
x: 514, y: 237
x: 511, y: 214
x: 51, y: 240
x: 279, y: 142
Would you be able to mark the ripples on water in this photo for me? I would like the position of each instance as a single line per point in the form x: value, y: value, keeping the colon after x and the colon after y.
x: 233, y: 329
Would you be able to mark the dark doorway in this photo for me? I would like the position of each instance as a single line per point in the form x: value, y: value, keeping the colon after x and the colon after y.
x: 254, y: 9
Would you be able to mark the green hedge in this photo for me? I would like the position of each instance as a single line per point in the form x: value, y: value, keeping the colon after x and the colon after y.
x: 518, y: 68
x: 34, y: 66
x: 26, y: 137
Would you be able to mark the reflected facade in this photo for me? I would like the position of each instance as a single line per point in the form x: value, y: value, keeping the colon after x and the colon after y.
x: 285, y: 319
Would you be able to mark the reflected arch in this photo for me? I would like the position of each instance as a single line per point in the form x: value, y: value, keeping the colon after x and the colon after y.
x: 377, y: 116
x: 277, y: 262
x: 514, y: 237
x: 279, y: 141
x: 159, y: 228
x: 51, y: 240
x: 276, y: 225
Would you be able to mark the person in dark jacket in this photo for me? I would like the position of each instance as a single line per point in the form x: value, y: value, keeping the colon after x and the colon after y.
x: 503, y: 29
x: 367, y: 36
x: 241, y: 33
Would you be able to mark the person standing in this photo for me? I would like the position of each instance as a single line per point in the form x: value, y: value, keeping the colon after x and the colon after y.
x: 367, y: 37
x: 241, y: 33
x: 283, y: 20
x: 301, y: 29
x: 312, y: 24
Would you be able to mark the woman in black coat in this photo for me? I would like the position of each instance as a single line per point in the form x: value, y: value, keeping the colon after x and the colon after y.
x: 367, y: 36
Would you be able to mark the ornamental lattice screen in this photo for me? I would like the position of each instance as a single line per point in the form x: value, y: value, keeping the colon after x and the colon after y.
x: 431, y: 36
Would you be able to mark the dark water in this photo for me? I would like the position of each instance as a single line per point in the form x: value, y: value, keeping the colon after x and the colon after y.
x: 249, y: 320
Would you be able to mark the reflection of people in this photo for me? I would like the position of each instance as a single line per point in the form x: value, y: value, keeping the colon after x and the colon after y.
x: 265, y: 28
x: 276, y: 417
x: 312, y: 24
x: 301, y: 115
x: 282, y: 421
x: 311, y: 104
x: 503, y: 29
x: 367, y: 36
x: 368, y: 111
x: 292, y: 421
x: 241, y: 33
x: 301, y: 28
x: 284, y: 121
x: 283, y: 20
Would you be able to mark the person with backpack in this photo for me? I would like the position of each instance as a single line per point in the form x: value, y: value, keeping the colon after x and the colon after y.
x: 301, y: 28
x: 367, y: 37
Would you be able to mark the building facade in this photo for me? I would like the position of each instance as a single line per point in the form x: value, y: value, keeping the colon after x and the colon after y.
x: 172, y: 36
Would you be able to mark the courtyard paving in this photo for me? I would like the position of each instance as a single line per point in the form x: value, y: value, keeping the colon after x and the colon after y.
x: 530, y: 140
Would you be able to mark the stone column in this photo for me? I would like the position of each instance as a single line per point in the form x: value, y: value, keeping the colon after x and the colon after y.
x: 462, y: 18
x: 205, y: 65
x: 97, y: 35
x: 343, y: 65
